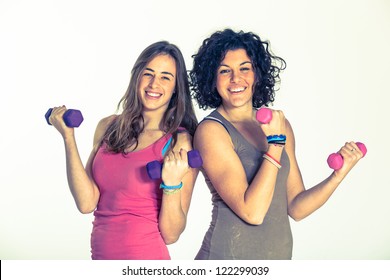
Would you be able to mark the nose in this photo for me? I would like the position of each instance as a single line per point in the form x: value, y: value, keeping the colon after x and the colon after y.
x: 153, y: 83
x: 235, y: 77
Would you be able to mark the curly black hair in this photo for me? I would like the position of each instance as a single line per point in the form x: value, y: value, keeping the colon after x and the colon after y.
x: 213, y: 50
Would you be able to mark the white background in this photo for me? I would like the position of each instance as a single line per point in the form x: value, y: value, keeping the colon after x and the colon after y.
x: 80, y: 53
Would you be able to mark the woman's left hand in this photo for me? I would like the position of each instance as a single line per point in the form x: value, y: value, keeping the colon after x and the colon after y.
x: 175, y: 167
x: 351, y: 155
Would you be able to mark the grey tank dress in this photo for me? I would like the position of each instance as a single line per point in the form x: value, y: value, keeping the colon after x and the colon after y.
x: 228, y: 236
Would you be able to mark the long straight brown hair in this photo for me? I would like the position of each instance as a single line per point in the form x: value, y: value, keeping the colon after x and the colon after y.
x: 124, y: 131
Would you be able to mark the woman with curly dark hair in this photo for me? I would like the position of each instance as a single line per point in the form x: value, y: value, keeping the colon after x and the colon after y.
x: 249, y: 167
x: 135, y: 216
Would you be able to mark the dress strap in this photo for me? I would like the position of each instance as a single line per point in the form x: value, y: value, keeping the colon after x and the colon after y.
x: 216, y: 120
x: 166, y: 146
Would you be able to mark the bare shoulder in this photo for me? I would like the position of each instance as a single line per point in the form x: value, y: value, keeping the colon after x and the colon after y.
x: 208, y: 131
x: 102, y: 127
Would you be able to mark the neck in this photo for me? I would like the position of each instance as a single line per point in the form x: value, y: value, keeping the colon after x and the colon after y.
x: 152, y: 121
x: 236, y: 114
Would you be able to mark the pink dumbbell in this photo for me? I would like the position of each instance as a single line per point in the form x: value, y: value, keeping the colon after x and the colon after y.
x: 264, y: 115
x: 336, y: 161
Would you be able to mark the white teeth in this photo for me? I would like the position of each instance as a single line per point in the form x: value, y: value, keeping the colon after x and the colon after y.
x: 237, y: 89
x: 153, y: 94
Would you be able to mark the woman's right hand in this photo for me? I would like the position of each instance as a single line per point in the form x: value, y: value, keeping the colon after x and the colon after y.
x: 57, y: 120
x: 276, y: 126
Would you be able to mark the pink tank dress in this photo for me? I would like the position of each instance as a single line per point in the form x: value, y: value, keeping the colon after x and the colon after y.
x: 126, y: 218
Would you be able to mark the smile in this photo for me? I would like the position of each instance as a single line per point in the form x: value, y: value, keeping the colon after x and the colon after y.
x: 236, y: 90
x: 153, y: 94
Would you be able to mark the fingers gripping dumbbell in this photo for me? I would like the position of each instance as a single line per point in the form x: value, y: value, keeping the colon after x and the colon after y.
x: 72, y: 117
x: 154, y: 167
x: 264, y: 115
x: 336, y: 161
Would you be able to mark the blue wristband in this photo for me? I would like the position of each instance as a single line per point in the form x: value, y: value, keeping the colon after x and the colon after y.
x: 163, y: 186
x: 273, y: 138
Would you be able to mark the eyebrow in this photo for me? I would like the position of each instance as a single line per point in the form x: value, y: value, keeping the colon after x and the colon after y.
x: 245, y: 62
x: 164, y: 72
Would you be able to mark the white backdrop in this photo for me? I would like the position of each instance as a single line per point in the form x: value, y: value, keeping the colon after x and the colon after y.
x: 80, y: 53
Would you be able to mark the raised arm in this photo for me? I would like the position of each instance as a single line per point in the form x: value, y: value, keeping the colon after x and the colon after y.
x: 226, y: 172
x: 302, y: 202
x: 175, y: 205
x: 82, y: 186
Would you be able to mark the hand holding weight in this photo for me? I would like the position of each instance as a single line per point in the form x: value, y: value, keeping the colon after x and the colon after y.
x: 336, y: 161
x: 72, y: 117
x: 264, y: 115
x: 154, y: 167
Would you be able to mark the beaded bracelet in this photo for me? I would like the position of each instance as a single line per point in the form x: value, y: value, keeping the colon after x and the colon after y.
x: 272, y: 160
x: 167, y: 192
x: 163, y: 186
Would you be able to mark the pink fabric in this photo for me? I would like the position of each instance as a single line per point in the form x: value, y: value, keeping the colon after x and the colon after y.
x: 126, y: 219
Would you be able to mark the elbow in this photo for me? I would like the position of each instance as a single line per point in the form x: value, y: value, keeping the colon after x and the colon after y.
x: 296, y: 216
x: 170, y: 235
x: 86, y: 209
x: 168, y: 240
x: 254, y: 220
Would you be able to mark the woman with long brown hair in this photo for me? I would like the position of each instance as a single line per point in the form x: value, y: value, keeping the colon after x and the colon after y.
x: 135, y: 216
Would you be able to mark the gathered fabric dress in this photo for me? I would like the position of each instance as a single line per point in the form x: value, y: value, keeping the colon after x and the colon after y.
x: 228, y: 236
x: 125, y: 226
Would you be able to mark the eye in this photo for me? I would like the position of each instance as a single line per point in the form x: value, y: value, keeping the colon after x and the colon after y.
x: 166, y: 78
x: 224, y: 71
x: 148, y: 74
x: 245, y: 69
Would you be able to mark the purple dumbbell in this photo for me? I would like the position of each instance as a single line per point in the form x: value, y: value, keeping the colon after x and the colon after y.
x: 154, y: 167
x: 72, y: 117
x: 264, y: 115
x: 336, y: 161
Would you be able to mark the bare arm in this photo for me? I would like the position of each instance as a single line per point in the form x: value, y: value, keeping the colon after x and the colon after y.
x: 302, y: 202
x: 175, y: 206
x: 82, y: 186
x: 226, y: 172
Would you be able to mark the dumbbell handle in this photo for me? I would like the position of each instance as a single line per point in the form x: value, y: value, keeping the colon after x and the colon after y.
x: 154, y: 167
x: 72, y: 117
x: 336, y: 161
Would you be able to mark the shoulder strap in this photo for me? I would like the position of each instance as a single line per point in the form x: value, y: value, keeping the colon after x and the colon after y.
x: 166, y: 146
x: 216, y: 120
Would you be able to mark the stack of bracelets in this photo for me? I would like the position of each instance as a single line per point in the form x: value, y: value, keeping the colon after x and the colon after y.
x: 277, y: 140
x: 171, y: 189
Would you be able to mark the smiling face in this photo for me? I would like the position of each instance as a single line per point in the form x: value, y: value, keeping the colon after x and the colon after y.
x: 235, y: 79
x: 157, y: 83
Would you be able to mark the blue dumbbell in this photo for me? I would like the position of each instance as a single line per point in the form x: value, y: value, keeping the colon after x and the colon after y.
x: 72, y: 117
x: 154, y: 167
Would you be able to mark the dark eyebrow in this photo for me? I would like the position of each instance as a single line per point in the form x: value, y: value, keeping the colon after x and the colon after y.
x: 245, y: 62
x: 168, y: 73
x: 164, y: 72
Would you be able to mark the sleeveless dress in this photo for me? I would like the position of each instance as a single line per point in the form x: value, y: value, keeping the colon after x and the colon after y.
x: 228, y: 236
x: 126, y: 219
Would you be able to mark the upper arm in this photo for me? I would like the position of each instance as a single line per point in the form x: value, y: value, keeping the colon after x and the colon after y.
x: 98, y: 136
x: 294, y: 181
x: 222, y: 164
